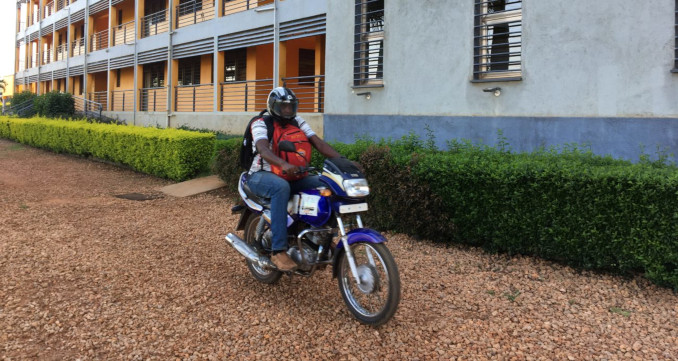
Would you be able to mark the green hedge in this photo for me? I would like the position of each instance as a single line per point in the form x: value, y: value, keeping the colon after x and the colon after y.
x: 168, y: 153
x: 570, y: 206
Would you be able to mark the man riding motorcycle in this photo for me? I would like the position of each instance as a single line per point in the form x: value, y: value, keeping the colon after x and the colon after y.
x: 282, y: 107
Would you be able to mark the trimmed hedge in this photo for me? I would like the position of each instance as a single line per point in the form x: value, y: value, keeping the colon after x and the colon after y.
x: 168, y: 153
x: 570, y: 206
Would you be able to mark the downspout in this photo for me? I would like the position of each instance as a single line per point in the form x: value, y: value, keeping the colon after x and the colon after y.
x: 276, y: 45
x: 169, y: 83
x: 68, y: 50
x: 84, y: 67
x: 37, y: 89
x: 108, y: 69
x: 136, y: 61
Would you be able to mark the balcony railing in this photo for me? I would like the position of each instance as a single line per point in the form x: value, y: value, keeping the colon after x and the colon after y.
x: 155, y: 23
x: 310, y: 90
x: 78, y: 47
x: 34, y: 60
x: 48, y: 9
x: 98, y: 41
x: 194, y: 98
x: 47, y: 56
x: 122, y: 100
x: 245, y: 96
x: 61, y: 52
x: 236, y: 6
x: 99, y: 97
x: 124, y: 33
x: 153, y: 99
x: 194, y: 12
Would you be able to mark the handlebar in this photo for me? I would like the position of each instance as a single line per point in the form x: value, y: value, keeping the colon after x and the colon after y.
x: 304, y: 170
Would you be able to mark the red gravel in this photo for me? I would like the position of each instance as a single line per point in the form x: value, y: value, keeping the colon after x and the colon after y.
x: 85, y: 275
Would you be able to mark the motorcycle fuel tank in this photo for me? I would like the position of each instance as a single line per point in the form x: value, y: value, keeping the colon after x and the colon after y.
x: 314, y: 209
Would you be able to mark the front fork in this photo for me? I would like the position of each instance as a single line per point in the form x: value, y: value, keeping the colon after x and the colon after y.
x: 347, y: 247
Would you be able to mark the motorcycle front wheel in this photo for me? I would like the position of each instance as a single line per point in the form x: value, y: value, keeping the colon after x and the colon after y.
x: 375, y: 300
x: 262, y: 275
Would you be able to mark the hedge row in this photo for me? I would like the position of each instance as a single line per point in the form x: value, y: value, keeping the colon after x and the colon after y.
x: 587, y: 211
x: 168, y: 153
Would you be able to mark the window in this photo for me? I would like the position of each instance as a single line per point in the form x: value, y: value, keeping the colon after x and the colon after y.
x: 368, y: 59
x: 118, y: 75
x: 119, y: 17
x: 498, y: 40
x: 189, y: 71
x: 154, y: 75
x: 235, y: 65
x: 306, y: 63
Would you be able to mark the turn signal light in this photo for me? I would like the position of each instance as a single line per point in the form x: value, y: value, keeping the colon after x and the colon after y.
x: 325, y: 192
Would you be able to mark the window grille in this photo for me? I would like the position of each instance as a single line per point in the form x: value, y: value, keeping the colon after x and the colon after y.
x: 368, y: 65
x: 235, y: 65
x: 189, y: 71
x: 497, y: 40
x: 675, y: 56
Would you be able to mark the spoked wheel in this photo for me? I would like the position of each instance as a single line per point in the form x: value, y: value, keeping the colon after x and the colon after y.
x: 261, y: 274
x: 376, y: 298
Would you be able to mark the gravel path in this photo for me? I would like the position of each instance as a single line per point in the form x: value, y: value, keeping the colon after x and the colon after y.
x: 85, y: 275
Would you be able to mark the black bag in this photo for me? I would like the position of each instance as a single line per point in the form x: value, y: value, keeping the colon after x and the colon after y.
x: 246, y: 153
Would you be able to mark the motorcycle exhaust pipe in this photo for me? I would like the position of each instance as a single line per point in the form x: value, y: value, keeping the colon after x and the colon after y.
x: 248, y: 252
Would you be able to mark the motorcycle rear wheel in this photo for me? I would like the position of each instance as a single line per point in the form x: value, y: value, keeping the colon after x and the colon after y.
x: 262, y: 275
x: 376, y: 299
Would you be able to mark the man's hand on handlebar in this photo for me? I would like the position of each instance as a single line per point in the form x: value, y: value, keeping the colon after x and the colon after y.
x: 289, y: 168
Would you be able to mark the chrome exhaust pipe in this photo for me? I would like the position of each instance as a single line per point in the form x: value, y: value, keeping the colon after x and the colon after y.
x: 248, y: 252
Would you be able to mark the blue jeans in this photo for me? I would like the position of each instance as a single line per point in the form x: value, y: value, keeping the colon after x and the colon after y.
x: 268, y: 185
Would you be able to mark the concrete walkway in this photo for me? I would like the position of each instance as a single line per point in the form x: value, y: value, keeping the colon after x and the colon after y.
x: 193, y: 186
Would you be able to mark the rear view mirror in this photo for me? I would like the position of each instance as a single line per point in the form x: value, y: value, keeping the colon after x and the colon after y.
x: 287, y: 146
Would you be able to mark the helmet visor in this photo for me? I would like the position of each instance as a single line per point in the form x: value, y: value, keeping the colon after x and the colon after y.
x: 286, y: 108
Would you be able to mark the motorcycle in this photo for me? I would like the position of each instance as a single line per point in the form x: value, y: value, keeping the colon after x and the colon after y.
x: 324, y: 228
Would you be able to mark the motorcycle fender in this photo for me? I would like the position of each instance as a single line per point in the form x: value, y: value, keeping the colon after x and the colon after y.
x: 244, y: 216
x: 354, y: 236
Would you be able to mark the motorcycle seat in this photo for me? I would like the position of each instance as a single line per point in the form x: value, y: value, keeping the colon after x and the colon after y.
x: 264, y: 202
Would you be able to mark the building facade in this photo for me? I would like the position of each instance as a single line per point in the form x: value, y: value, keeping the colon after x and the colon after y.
x: 199, y: 63
x: 600, y: 74
x: 597, y: 73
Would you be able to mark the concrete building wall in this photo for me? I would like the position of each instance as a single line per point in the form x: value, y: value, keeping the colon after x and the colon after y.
x: 593, y: 72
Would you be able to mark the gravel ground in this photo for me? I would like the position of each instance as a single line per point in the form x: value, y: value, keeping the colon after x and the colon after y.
x: 85, y: 275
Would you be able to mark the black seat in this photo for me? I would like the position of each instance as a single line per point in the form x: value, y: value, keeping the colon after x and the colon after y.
x: 264, y: 202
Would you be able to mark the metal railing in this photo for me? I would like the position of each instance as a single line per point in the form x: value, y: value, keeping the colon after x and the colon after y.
x: 194, y: 98
x: 245, y: 96
x: 194, y: 12
x: 61, y: 52
x: 124, y: 33
x: 155, y: 23
x: 153, y: 99
x: 310, y: 90
x: 98, y: 40
x: 87, y: 107
x: 236, y: 6
x: 78, y: 47
x: 47, y: 56
x: 48, y: 9
x: 122, y: 100
x: 21, y: 110
x: 100, y: 97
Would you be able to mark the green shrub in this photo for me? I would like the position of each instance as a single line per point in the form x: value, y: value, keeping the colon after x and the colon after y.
x: 167, y: 153
x: 566, y: 205
x: 55, y: 105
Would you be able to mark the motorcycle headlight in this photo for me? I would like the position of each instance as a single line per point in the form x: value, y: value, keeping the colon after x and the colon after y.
x: 356, y: 187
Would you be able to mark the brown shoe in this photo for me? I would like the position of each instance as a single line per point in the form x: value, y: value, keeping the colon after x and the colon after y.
x: 283, y: 262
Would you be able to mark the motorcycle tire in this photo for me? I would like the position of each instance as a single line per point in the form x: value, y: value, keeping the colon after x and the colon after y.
x: 267, y: 276
x: 380, y: 280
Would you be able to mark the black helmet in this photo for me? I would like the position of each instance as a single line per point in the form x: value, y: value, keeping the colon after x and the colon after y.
x: 283, y: 103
